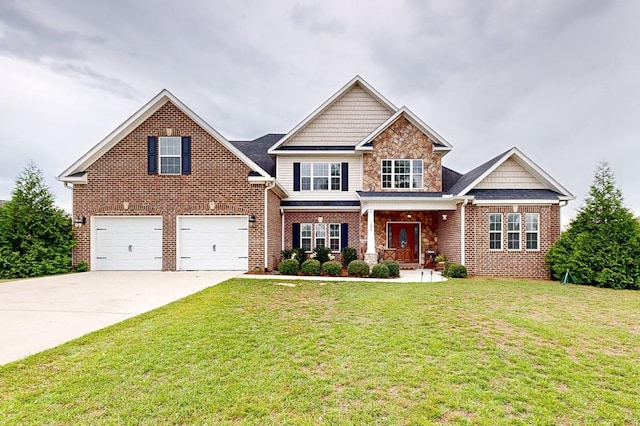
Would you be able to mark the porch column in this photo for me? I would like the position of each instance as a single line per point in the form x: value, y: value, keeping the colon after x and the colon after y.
x: 371, y: 257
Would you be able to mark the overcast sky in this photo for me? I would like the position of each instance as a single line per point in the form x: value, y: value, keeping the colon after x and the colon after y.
x: 558, y: 79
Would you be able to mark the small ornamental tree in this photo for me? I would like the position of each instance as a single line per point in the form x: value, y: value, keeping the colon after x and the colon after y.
x: 36, y: 237
x: 601, y: 247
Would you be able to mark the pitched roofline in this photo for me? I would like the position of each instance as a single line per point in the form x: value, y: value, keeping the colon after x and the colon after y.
x: 413, y: 119
x: 533, y: 167
x: 136, y: 119
x: 357, y: 80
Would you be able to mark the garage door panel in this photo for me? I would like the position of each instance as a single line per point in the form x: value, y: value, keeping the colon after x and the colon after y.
x: 127, y: 243
x: 213, y: 243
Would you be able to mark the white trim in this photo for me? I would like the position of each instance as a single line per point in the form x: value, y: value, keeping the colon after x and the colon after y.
x: 357, y: 80
x: 514, y: 202
x: 413, y: 119
x: 284, y: 152
x: 413, y: 203
x: 530, y: 166
x: 462, y: 232
x: 320, y: 208
x: 136, y: 119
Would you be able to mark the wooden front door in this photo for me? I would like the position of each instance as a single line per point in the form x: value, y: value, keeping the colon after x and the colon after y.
x: 404, y: 238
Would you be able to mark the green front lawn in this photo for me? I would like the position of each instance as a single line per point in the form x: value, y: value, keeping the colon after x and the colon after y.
x: 250, y: 351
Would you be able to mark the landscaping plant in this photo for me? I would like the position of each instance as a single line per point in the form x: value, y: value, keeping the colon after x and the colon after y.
x: 332, y: 268
x: 601, y: 246
x: 379, y: 270
x: 348, y: 254
x: 289, y: 267
x: 359, y: 268
x: 310, y: 267
x: 394, y: 268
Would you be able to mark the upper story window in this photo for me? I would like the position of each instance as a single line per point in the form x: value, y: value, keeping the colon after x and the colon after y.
x: 170, y: 155
x: 402, y: 174
x: 321, y: 176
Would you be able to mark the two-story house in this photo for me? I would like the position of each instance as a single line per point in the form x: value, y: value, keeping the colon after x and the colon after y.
x: 166, y: 191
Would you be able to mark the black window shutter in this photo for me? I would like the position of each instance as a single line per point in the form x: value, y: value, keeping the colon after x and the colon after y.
x: 296, y: 176
x: 296, y: 236
x: 152, y: 155
x: 186, y: 155
x: 345, y: 176
x: 344, y: 235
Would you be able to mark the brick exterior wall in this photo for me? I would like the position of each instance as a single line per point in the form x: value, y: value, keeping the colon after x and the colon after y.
x: 218, y: 176
x: 352, y: 218
x: 402, y: 140
x: 521, y: 263
x: 449, y: 241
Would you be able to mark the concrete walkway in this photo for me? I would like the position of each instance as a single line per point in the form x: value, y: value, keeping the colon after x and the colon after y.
x: 406, y: 276
x: 41, y: 313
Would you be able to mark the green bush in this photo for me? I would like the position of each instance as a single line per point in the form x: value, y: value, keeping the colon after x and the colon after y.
x: 289, y: 267
x: 286, y: 254
x: 301, y: 255
x: 81, y: 267
x: 455, y: 270
x: 379, y: 270
x: 321, y: 254
x: 332, y: 268
x: 359, y: 268
x: 348, y: 254
x: 310, y: 267
x: 394, y: 268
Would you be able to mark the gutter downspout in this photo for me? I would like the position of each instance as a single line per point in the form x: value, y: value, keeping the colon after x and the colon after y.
x: 267, y: 187
x: 462, y: 232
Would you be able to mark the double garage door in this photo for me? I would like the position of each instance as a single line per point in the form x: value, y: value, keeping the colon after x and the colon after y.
x: 202, y: 243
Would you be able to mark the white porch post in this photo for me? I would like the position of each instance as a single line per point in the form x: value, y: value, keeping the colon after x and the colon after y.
x: 371, y: 257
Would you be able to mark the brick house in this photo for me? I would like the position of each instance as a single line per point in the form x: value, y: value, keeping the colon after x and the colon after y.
x: 166, y: 191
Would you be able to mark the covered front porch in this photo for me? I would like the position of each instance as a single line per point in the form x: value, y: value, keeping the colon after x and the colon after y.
x: 404, y: 227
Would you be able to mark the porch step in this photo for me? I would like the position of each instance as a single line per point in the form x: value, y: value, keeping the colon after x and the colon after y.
x: 407, y: 266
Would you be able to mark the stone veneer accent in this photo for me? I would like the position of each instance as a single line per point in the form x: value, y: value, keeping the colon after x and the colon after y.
x: 402, y: 140
x: 428, y: 229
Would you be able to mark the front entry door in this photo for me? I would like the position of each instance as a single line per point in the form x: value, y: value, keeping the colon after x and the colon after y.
x: 404, y: 237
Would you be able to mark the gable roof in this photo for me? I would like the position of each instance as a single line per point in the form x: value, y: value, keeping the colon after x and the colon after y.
x: 440, y: 143
x: 356, y: 81
x: 468, y: 182
x: 77, y: 171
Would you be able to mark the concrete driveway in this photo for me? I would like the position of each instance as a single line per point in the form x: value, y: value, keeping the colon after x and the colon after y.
x: 40, y: 313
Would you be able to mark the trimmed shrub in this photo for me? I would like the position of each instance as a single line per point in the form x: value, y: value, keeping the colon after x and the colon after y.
x: 379, y: 270
x: 359, y: 268
x: 332, y: 268
x: 286, y: 254
x: 394, y: 268
x: 310, y: 267
x: 321, y: 254
x: 81, y: 267
x: 348, y: 254
x: 289, y: 267
x: 455, y: 270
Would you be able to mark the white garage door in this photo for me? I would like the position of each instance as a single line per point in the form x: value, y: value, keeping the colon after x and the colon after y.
x: 127, y: 243
x: 207, y: 243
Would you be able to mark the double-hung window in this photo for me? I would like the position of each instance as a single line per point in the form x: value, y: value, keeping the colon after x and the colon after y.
x: 314, y: 235
x: 513, y: 231
x: 320, y: 176
x: 495, y: 231
x: 401, y: 174
x: 170, y: 155
x: 532, y: 229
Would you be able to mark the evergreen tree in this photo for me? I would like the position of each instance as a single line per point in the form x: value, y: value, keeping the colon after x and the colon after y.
x: 601, y: 247
x: 35, y: 236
